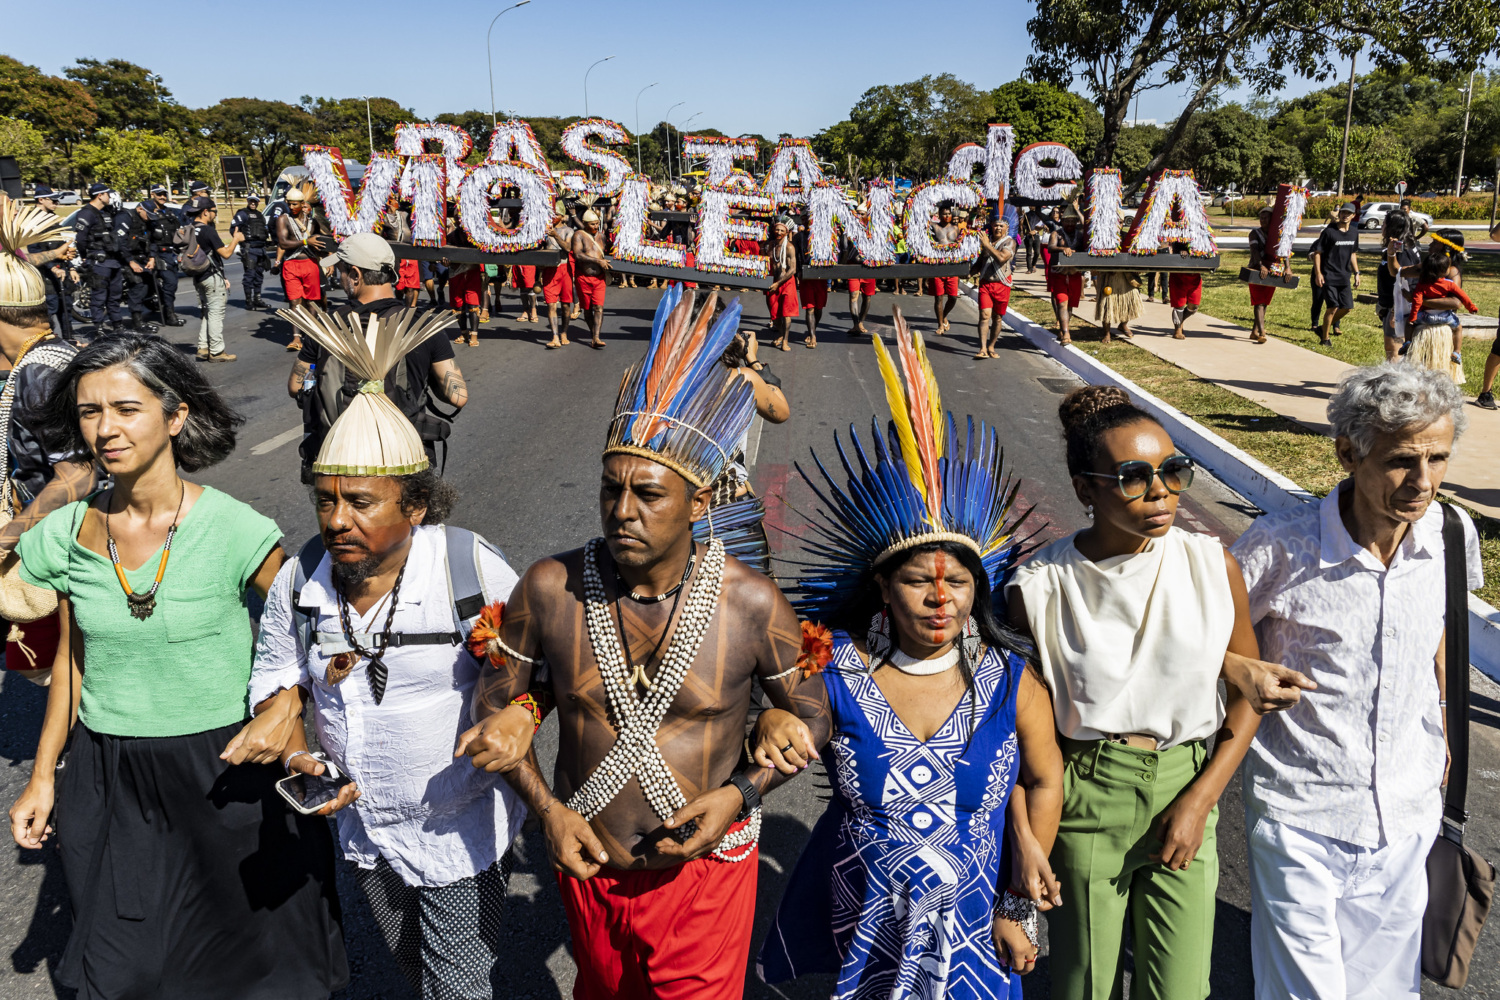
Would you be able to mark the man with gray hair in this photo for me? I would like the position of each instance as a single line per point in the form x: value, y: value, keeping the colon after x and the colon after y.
x: 1342, y: 790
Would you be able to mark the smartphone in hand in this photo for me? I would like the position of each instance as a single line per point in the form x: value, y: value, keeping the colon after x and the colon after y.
x: 308, y: 793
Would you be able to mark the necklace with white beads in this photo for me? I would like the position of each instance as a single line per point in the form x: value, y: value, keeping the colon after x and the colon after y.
x: 635, y: 752
x: 923, y: 668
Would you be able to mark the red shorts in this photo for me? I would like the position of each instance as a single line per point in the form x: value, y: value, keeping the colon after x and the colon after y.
x: 861, y: 286
x: 557, y: 284
x: 39, y: 639
x: 301, y: 279
x: 1185, y: 289
x: 679, y: 933
x: 994, y: 295
x: 523, y: 276
x: 466, y: 289
x: 1261, y: 295
x: 814, y: 293
x: 591, y: 291
x: 746, y: 247
x: 690, y: 261
x: 409, y: 275
x: 1066, y: 288
x: 942, y: 286
x: 783, y: 301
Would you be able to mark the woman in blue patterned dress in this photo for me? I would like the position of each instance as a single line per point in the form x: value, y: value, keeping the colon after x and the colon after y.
x: 903, y: 888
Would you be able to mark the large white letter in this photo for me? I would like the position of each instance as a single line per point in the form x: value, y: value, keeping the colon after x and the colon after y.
x: 875, y: 243
x: 614, y: 165
x: 457, y: 144
x: 995, y: 157
x: 1033, y: 175
x: 1291, y: 205
x: 1154, y: 226
x: 488, y: 180
x: 716, y: 228
x: 422, y: 184
x: 514, y: 140
x: 1105, y: 216
x: 920, y: 206
x: 347, y: 212
x: 721, y: 151
x: 792, y: 154
x: 630, y: 228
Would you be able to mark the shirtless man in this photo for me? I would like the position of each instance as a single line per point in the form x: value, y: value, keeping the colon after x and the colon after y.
x: 781, y: 297
x: 1067, y: 286
x: 997, y: 253
x: 588, y: 251
x: 652, y: 913
x: 557, y: 282
x: 944, y: 290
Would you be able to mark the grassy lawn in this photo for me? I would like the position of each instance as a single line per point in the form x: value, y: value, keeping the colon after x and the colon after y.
x: 1303, y: 456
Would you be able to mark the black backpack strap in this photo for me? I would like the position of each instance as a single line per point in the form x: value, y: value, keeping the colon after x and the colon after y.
x: 1455, y: 558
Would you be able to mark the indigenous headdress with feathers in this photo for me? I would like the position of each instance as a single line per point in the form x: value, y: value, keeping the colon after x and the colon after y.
x: 372, y: 437
x: 678, y: 405
x: 21, y: 284
x: 928, y: 485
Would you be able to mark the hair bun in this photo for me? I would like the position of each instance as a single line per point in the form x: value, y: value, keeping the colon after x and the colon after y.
x: 1082, y: 404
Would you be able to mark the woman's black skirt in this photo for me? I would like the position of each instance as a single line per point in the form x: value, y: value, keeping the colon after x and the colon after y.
x: 191, y: 878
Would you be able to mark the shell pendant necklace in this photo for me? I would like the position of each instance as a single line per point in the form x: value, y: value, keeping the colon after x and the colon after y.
x: 142, y: 605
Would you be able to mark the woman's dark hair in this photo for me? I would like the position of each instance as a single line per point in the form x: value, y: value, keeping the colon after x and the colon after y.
x: 1397, y: 224
x: 208, y: 434
x: 428, y: 489
x: 1089, y: 412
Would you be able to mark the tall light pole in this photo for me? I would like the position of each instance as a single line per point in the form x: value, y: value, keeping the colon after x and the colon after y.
x: 1458, y: 185
x: 638, y: 124
x: 586, y: 83
x: 668, y: 119
x: 488, y: 55
x: 1348, y: 122
x: 369, y: 124
x: 680, y: 129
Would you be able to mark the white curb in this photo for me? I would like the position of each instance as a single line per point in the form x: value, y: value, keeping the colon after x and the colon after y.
x: 1249, y: 477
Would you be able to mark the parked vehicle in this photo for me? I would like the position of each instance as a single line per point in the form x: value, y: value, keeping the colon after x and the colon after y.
x: 1375, y: 213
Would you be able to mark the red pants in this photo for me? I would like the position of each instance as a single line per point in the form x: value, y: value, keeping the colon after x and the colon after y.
x: 40, y: 639
x: 523, y: 276
x: 1260, y: 295
x: 558, y: 284
x: 688, y: 261
x: 591, y: 291
x: 680, y: 933
x: 301, y: 279
x: 409, y: 275
x: 814, y: 293
x: 942, y: 286
x: 750, y: 247
x: 1067, y: 289
x: 464, y: 289
x: 1185, y: 289
x: 994, y: 295
x: 861, y: 286
x: 783, y: 301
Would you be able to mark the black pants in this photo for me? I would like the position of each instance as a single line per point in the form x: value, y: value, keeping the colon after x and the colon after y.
x: 137, y: 287
x: 106, y: 289
x: 255, y: 262
x: 59, y: 301
x: 166, y: 283
x: 1317, y: 306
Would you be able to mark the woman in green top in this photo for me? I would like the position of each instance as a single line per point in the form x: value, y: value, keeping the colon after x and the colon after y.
x: 189, y: 877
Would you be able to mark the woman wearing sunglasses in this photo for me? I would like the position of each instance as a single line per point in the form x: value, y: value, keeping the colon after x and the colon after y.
x: 1133, y: 618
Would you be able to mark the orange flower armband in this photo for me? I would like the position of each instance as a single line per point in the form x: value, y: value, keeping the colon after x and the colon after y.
x: 816, y: 652
x: 484, y: 640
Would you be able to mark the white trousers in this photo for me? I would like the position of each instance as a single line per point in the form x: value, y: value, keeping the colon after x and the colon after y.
x: 1330, y: 920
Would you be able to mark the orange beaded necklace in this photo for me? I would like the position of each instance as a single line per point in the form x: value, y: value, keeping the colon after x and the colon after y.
x: 142, y: 605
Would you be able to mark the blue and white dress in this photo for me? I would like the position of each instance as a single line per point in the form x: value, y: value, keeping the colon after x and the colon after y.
x: 895, y: 890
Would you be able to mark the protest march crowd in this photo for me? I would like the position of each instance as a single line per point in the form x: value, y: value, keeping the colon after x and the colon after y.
x: 1010, y: 732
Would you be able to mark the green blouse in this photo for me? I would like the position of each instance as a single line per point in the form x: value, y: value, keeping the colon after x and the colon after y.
x: 186, y: 669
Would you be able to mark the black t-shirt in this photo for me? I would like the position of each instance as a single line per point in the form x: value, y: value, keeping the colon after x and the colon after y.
x: 434, y: 350
x: 1336, y: 248
x: 1257, y: 249
x: 208, y: 239
x: 1385, y: 282
x: 33, y: 454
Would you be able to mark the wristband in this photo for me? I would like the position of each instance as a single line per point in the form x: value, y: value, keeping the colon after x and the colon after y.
x: 1018, y: 909
x: 748, y: 792
x: 528, y: 702
x: 287, y: 764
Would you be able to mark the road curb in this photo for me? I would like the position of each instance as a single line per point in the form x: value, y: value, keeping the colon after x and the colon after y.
x: 1246, y: 475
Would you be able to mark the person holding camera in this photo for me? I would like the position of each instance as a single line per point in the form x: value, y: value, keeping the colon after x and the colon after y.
x: 211, y: 284
x: 95, y: 226
x: 253, y: 252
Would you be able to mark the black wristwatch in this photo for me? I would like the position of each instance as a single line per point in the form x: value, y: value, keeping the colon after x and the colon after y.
x: 748, y: 791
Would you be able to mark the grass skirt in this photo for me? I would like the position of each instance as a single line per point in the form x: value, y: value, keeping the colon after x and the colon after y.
x: 1432, y: 347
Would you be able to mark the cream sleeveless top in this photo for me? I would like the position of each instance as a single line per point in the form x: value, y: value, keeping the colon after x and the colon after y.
x: 1134, y: 643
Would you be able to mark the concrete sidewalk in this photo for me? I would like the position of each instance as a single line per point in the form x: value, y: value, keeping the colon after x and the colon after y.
x: 1294, y: 383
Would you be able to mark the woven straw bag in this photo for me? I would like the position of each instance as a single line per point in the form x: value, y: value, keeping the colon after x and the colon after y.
x: 20, y: 602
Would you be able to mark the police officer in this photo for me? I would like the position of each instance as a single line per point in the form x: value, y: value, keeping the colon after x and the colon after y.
x: 134, y: 229
x: 95, y: 224
x: 51, y: 259
x: 163, y: 234
x: 254, y: 252
x: 198, y: 189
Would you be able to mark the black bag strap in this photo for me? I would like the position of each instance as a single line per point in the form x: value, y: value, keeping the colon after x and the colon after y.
x: 1455, y: 815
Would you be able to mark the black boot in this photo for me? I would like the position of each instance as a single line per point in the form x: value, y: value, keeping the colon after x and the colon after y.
x: 169, y: 316
x: 140, y: 324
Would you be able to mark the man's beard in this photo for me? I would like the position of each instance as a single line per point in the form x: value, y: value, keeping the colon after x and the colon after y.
x: 349, y: 575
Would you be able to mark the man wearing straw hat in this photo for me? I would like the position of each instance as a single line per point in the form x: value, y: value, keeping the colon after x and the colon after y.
x: 650, y: 641
x: 368, y: 622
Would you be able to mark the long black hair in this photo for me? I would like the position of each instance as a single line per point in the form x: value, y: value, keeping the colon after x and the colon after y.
x: 208, y: 434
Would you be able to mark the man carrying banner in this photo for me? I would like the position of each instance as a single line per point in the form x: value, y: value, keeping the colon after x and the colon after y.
x: 651, y: 641
x: 781, y: 297
x: 588, y: 252
x: 298, y: 236
x: 944, y: 290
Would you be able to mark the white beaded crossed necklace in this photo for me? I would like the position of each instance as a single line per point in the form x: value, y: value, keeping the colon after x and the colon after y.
x: 635, y: 753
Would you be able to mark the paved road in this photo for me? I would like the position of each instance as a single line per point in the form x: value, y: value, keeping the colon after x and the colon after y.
x: 525, y: 457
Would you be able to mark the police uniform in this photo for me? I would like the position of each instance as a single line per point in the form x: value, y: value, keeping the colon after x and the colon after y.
x: 59, y: 290
x: 168, y: 271
x: 96, y: 245
x: 133, y: 244
x: 254, y: 253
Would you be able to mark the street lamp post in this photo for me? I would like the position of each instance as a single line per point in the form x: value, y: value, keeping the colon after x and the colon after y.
x: 638, y: 124
x: 488, y: 55
x: 680, y: 130
x: 586, y: 83
x: 369, y: 124
x: 668, y: 119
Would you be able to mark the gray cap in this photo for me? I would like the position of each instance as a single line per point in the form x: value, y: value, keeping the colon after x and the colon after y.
x: 367, y: 252
x: 1349, y: 206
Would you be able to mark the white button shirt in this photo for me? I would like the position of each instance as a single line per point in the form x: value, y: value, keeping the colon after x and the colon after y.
x: 1360, y: 759
x: 435, y: 818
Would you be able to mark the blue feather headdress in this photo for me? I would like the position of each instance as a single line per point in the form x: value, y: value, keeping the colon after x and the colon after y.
x: 928, y: 485
x: 679, y: 406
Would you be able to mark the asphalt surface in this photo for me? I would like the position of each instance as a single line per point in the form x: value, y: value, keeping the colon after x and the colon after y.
x: 524, y: 455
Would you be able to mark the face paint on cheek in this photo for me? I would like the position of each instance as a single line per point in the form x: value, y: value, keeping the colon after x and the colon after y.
x: 940, y: 570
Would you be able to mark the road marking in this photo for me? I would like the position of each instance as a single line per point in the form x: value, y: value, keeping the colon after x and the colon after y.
x: 752, y: 444
x: 284, y: 437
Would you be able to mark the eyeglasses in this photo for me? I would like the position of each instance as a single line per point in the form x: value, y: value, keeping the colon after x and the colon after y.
x: 1176, y: 473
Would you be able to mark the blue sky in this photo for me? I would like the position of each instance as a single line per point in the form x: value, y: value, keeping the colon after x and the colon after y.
x: 431, y: 56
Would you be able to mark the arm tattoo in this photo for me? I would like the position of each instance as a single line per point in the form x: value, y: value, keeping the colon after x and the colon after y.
x: 455, y: 390
x: 295, y: 380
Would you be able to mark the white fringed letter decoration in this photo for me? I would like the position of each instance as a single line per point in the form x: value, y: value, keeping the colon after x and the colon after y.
x: 995, y: 156
x: 614, y: 165
x: 347, y: 212
x: 514, y: 140
x: 422, y: 184
x: 631, y: 242
x: 1105, y: 216
x: 720, y: 151
x: 716, y: 229
x: 874, y: 239
x: 921, y: 204
x: 1291, y: 205
x: 486, y: 181
x: 792, y: 154
x: 457, y: 145
x: 1155, y: 228
x: 1040, y: 184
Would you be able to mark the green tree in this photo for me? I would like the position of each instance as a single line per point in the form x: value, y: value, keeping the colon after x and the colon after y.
x: 1377, y: 158
x: 27, y: 144
x: 128, y: 96
x: 1224, y: 146
x: 129, y: 160
x: 341, y: 122
x: 1042, y: 112
x: 268, y: 133
x: 62, y: 109
x: 1136, y: 148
